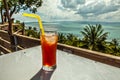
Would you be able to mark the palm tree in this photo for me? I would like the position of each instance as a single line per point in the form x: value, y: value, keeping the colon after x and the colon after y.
x: 61, y: 38
x: 94, y: 37
x: 32, y: 33
x: 72, y: 40
x: 114, y: 47
x: 34, y: 28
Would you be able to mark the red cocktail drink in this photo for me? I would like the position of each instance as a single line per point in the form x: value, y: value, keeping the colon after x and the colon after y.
x: 49, y: 46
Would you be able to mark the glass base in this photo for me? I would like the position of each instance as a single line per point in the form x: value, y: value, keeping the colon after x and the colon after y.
x: 49, y: 68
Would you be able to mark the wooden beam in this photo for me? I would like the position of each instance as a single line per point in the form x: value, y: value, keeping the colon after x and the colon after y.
x: 26, y: 42
x: 5, y: 43
x: 4, y: 50
x: 94, y: 55
x: 4, y: 35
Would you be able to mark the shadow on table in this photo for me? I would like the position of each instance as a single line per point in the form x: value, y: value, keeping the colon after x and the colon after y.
x: 43, y: 75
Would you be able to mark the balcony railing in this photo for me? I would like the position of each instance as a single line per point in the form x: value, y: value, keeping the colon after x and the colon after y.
x: 23, y: 42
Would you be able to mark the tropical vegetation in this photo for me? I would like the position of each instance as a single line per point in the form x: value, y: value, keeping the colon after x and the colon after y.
x: 32, y: 33
x: 94, y: 38
x: 10, y: 7
x: 14, y: 6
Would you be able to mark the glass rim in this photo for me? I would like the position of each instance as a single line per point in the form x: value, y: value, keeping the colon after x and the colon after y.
x: 49, y: 32
x: 52, y: 31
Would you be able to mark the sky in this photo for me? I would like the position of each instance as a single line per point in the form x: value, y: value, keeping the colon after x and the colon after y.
x: 73, y: 10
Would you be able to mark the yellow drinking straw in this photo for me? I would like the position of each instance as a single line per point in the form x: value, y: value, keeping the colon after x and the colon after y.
x: 38, y: 18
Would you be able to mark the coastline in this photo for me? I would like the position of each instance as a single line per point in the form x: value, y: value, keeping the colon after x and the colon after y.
x: 75, y: 27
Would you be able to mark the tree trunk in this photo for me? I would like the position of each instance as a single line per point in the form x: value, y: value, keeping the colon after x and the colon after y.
x: 9, y: 27
x: 5, y: 17
x: 1, y: 15
x: 23, y: 29
x: 12, y: 11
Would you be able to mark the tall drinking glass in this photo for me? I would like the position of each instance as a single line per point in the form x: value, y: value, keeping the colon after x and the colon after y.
x: 49, y: 46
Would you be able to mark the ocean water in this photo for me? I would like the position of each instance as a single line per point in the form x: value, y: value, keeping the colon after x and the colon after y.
x: 76, y: 27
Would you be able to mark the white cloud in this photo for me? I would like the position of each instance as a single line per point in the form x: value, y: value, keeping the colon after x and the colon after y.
x: 100, y: 10
x: 104, y: 8
x: 22, y: 18
x: 97, y: 8
x: 71, y: 3
x: 111, y: 17
x: 51, y: 11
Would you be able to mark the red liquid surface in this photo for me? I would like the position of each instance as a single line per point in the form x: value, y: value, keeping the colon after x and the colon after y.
x: 49, y: 45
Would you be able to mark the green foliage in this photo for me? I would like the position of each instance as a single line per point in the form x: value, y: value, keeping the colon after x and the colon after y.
x: 16, y: 5
x: 94, y: 38
x: 34, y: 28
x: 114, y: 47
x: 32, y: 5
x: 20, y: 24
x: 17, y: 21
x: 32, y: 33
x: 61, y: 38
x: 69, y: 39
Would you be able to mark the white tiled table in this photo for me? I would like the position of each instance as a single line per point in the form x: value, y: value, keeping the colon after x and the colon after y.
x: 25, y: 64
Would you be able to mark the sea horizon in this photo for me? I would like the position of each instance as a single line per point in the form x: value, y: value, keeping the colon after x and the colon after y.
x: 47, y: 21
x: 75, y: 27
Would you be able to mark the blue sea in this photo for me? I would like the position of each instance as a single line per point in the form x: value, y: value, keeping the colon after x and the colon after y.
x: 76, y: 27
